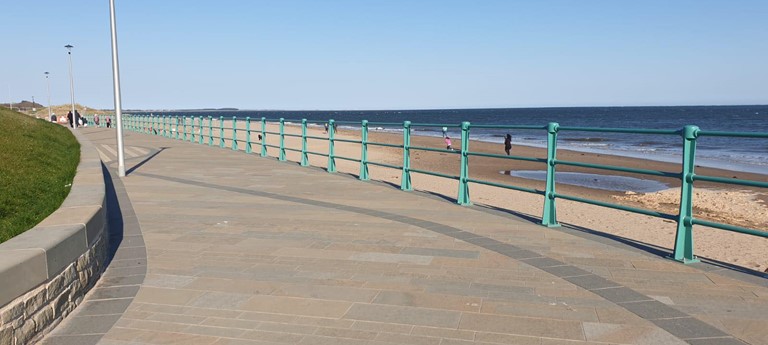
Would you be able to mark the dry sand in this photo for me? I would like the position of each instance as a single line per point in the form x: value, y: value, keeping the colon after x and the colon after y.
x: 736, y: 205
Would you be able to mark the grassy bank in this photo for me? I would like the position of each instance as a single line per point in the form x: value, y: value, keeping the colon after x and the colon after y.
x: 38, y: 161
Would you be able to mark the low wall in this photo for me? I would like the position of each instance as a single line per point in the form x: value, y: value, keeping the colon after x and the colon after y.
x: 46, y: 271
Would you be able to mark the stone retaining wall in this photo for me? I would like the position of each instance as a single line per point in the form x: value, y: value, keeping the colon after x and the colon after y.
x: 46, y: 271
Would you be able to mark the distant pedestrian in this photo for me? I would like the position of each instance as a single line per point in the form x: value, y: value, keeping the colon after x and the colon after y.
x: 96, y: 119
x: 78, y: 119
x: 109, y: 122
x: 326, y: 128
x: 448, y: 143
x: 507, y: 143
x: 71, y: 119
x: 335, y: 127
x: 445, y: 132
x: 53, y: 118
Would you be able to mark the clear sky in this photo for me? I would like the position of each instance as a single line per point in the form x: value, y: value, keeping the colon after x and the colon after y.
x: 388, y: 54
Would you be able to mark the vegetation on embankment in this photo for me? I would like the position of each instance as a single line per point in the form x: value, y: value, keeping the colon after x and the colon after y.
x: 38, y: 161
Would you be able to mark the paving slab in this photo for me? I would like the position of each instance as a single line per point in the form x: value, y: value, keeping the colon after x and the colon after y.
x: 222, y: 247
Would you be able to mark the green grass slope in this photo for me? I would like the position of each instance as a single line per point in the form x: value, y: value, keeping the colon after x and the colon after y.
x: 38, y: 161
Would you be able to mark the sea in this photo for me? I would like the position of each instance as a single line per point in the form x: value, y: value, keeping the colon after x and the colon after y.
x: 738, y: 154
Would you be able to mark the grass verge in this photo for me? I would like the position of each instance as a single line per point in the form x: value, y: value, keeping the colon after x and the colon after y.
x: 38, y: 161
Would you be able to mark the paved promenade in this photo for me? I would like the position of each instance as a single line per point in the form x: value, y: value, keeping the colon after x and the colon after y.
x: 218, y: 247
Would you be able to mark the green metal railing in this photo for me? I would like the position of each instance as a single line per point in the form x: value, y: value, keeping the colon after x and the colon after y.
x: 170, y: 127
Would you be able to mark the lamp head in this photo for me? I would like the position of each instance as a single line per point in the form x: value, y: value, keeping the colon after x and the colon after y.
x: 69, y: 47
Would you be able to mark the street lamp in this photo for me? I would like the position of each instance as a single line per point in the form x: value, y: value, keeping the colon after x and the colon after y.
x: 71, y: 85
x: 33, y: 104
x: 116, y: 87
x: 48, y: 83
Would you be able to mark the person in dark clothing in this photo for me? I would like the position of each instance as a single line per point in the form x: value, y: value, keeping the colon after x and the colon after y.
x: 77, y: 118
x: 507, y: 143
x: 71, y: 122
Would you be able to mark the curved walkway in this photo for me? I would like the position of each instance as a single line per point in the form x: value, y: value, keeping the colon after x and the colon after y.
x: 248, y: 250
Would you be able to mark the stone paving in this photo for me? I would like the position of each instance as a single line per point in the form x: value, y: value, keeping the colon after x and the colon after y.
x: 217, y: 247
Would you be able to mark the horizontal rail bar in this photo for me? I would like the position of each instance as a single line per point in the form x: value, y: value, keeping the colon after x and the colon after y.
x: 347, y: 158
x: 620, y: 130
x: 729, y: 227
x: 386, y: 165
x: 617, y: 168
x: 292, y: 150
x: 314, y: 137
x: 385, y: 124
x: 739, y: 182
x: 384, y: 144
x: 347, y: 141
x: 317, y: 153
x: 427, y: 172
x: 618, y: 207
x: 732, y: 134
x: 494, y: 184
x: 273, y: 146
x: 452, y: 125
x: 292, y: 135
x: 507, y: 126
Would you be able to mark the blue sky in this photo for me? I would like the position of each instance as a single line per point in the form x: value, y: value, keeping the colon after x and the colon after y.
x: 389, y: 54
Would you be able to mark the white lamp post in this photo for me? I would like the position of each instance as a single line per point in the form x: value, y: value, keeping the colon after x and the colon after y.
x: 116, y: 86
x: 71, y: 85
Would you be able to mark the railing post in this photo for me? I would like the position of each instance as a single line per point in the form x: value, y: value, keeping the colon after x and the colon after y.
x: 222, y: 144
x: 192, y: 132
x: 234, y: 133
x: 176, y: 125
x: 165, y: 122
x: 263, y: 136
x: 549, y: 218
x: 364, y: 151
x: 281, y: 155
x: 304, y: 156
x: 684, y: 239
x: 184, y: 127
x: 331, y: 159
x: 463, y: 196
x: 210, y: 131
x: 200, y: 131
x: 405, y: 181
x: 247, y: 134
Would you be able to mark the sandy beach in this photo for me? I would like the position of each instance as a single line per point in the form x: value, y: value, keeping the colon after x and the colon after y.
x: 737, y: 205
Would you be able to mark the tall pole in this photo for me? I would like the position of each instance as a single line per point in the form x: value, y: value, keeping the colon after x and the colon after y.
x: 71, y: 85
x: 48, y: 84
x: 116, y: 83
x: 10, y: 102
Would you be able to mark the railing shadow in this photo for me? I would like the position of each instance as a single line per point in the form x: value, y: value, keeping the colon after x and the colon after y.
x: 145, y: 160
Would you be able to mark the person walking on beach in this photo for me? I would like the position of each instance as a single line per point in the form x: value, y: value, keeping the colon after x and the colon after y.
x: 109, y: 122
x: 326, y: 128
x: 507, y: 143
x: 448, y: 143
x: 71, y: 119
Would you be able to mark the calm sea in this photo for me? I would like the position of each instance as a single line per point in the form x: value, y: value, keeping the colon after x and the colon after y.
x: 741, y: 154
